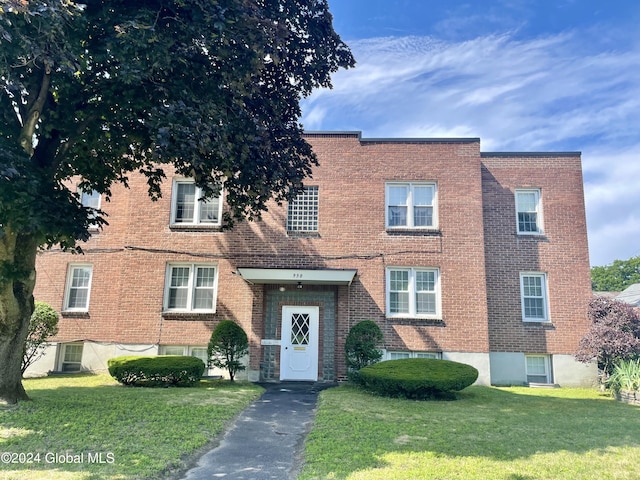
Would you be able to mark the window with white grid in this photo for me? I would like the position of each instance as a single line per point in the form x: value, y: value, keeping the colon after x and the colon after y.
x: 78, y: 288
x: 529, y: 211
x: 190, y: 287
x: 189, y: 208
x: 533, y: 291
x: 413, y: 292
x: 303, y: 211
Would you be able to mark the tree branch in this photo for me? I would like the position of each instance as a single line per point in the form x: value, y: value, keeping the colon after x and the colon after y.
x: 34, y: 112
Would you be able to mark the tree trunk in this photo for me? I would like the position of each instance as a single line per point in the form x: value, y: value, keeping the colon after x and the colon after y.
x: 17, y: 281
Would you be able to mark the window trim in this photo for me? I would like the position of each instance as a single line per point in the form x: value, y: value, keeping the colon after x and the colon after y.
x: 191, y: 287
x: 63, y: 352
x: 67, y: 289
x: 547, y: 366
x: 412, y: 354
x: 545, y: 297
x: 82, y: 193
x: 410, y: 206
x: 299, y: 197
x: 187, y: 350
x: 195, y: 221
x: 538, y: 210
x: 412, y: 293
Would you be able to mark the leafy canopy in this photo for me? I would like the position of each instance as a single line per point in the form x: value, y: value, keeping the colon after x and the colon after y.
x: 614, y: 334
x: 96, y: 89
x: 617, y: 276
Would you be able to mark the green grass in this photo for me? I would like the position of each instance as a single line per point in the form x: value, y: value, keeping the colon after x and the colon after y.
x: 142, y: 433
x: 488, y: 433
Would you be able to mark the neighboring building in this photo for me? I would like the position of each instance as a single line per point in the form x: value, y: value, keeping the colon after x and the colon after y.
x: 476, y: 257
x: 630, y: 295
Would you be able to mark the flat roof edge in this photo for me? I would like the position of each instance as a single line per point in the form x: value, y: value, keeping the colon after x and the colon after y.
x: 358, y: 134
x: 529, y: 154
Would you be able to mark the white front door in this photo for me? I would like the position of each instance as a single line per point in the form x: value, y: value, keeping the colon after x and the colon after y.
x: 299, y: 343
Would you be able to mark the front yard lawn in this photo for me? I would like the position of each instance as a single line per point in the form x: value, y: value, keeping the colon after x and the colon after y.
x: 89, y: 427
x: 489, y: 433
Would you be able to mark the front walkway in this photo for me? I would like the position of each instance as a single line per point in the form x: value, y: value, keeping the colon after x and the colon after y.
x: 266, y: 440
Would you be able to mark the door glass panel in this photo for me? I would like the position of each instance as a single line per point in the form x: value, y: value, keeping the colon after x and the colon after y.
x: 300, y: 329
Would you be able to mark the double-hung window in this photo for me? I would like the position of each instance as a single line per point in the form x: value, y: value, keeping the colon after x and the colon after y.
x: 78, y: 288
x: 413, y: 292
x: 90, y: 199
x: 533, y: 290
x: 538, y: 368
x: 71, y: 357
x: 529, y: 211
x: 189, y: 208
x: 191, y: 288
x: 302, y: 214
x: 411, y: 205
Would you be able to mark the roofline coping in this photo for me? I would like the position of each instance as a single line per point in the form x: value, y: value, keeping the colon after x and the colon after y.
x: 529, y: 154
x: 358, y: 134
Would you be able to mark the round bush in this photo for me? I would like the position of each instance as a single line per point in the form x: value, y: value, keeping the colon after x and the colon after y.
x: 417, y: 378
x: 160, y: 371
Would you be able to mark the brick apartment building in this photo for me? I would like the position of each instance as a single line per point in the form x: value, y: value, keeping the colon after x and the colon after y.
x: 476, y: 257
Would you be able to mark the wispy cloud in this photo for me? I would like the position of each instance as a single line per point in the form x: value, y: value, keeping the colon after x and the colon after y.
x: 554, y: 92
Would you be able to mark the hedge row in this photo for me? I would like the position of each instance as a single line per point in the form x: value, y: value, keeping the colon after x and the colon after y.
x: 417, y: 378
x: 160, y: 371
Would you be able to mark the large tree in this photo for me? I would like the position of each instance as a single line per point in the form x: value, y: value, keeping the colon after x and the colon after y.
x: 91, y: 91
x: 617, y: 276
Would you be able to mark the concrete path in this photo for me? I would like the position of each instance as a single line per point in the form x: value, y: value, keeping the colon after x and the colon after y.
x: 266, y: 440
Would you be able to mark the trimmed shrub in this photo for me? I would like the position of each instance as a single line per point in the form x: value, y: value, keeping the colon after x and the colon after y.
x: 417, y: 378
x: 361, y: 346
x: 227, y: 346
x: 43, y: 324
x: 160, y: 371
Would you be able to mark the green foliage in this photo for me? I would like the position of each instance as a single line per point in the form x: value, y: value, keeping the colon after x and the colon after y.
x: 361, y: 346
x: 43, y: 324
x: 617, y: 276
x: 160, y: 371
x: 417, y: 378
x: 626, y: 375
x: 613, y: 336
x: 227, y: 346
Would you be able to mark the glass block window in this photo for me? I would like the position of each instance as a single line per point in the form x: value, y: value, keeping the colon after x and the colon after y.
x: 303, y: 211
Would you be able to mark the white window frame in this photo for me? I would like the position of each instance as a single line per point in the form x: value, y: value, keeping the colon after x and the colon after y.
x: 190, y: 287
x: 185, y: 350
x: 397, y: 354
x: 412, y: 313
x: 538, y: 210
x: 547, y: 367
x: 411, y: 186
x: 544, y: 296
x: 87, y: 200
x: 63, y: 357
x: 198, y: 202
x: 303, y: 212
x: 69, y: 286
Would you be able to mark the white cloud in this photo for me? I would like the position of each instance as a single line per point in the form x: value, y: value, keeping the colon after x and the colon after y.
x: 559, y: 92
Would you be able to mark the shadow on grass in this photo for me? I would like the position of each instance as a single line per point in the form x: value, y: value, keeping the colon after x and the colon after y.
x: 503, y: 425
x: 92, y: 428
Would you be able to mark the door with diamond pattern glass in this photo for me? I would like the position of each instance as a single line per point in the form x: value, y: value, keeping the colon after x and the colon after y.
x: 299, y: 343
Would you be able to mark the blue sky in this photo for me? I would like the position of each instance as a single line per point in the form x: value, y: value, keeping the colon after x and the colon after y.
x: 523, y: 75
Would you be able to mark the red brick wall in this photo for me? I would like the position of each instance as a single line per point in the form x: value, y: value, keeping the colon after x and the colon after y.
x: 561, y: 253
x: 130, y: 255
